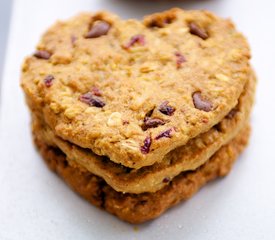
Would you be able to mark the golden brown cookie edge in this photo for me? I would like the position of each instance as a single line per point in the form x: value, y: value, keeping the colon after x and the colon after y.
x: 138, y: 208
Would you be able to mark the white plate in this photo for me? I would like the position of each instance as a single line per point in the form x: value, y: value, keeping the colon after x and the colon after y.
x: 35, y: 204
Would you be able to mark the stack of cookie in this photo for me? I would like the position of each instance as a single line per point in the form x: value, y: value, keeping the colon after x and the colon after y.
x: 136, y: 116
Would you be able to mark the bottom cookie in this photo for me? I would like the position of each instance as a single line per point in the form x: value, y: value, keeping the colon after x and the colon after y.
x: 138, y: 208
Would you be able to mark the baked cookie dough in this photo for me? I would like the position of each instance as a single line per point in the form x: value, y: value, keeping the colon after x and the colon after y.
x: 152, y: 178
x: 136, y: 116
x: 136, y: 90
x: 138, y: 208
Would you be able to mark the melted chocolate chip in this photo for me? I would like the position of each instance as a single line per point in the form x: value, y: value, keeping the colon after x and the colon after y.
x: 95, y: 91
x: 48, y: 80
x: 180, y: 59
x: 98, y: 29
x: 42, y: 54
x: 196, y: 30
x: 139, y: 38
x: 166, y: 180
x: 151, y: 123
x: 92, y: 100
x: 165, y: 134
x: 145, y: 148
x: 166, y: 109
x: 201, y: 103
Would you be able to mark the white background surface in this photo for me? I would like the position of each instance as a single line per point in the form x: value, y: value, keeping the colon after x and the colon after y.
x: 35, y: 204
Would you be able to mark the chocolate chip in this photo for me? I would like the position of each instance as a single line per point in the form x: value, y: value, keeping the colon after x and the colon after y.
x: 196, y: 30
x: 180, y: 59
x: 165, y: 134
x: 92, y: 100
x: 48, y: 80
x: 201, y: 103
x: 146, y: 145
x: 98, y: 29
x: 139, y: 38
x: 151, y: 123
x: 166, y: 180
x: 42, y: 54
x: 166, y: 109
x: 95, y: 91
x: 232, y: 113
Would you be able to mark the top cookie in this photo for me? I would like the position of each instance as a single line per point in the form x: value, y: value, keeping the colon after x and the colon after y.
x: 132, y: 90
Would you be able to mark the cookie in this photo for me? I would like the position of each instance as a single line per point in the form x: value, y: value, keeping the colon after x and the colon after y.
x: 138, y: 208
x: 136, y: 90
x: 152, y: 178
